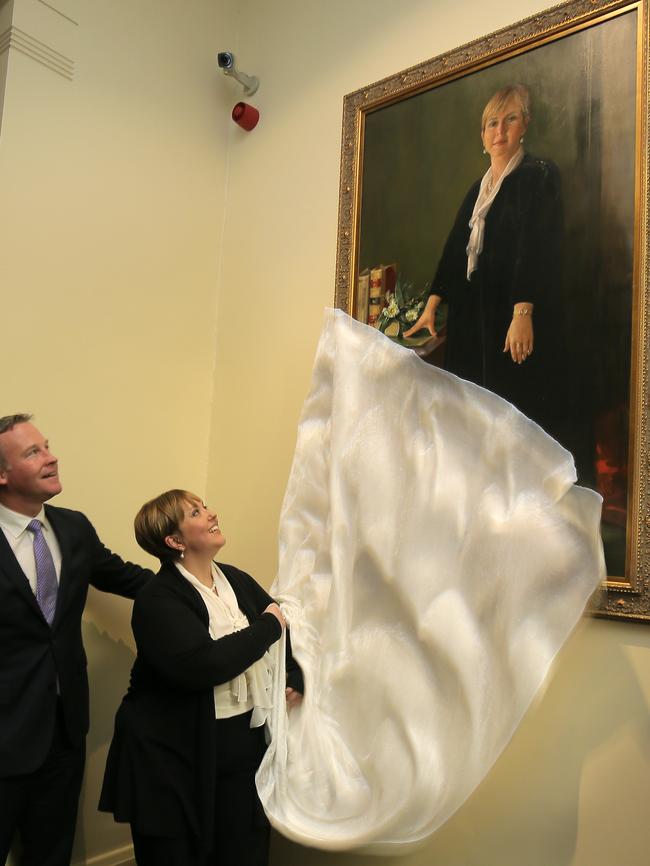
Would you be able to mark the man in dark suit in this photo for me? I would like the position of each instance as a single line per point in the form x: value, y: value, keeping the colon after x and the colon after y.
x: 48, y: 557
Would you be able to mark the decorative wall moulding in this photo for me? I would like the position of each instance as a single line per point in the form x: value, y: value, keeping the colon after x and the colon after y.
x: 45, y: 32
x: 38, y: 51
x: 118, y: 857
x: 65, y: 10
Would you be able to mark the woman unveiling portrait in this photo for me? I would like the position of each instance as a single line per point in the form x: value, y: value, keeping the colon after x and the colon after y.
x: 500, y: 270
x: 189, y: 735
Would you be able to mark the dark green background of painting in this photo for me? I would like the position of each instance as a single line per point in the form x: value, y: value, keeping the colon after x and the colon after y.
x: 421, y: 155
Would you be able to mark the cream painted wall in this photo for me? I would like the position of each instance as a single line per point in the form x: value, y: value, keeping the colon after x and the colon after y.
x: 113, y: 187
x: 573, y: 786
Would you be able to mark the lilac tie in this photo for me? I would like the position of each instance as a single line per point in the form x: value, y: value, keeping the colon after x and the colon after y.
x: 47, y: 585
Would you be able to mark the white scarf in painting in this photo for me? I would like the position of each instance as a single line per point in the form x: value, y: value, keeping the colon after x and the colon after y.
x: 435, y: 554
x: 486, y: 195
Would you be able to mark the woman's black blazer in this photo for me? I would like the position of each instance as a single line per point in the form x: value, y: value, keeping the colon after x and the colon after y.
x: 160, y: 774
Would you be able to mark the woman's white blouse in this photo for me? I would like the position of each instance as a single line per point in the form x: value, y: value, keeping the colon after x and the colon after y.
x: 251, y: 690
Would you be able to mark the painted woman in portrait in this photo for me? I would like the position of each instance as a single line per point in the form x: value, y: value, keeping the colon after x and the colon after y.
x: 501, y: 268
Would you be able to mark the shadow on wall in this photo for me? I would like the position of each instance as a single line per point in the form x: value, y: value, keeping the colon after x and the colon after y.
x: 527, y: 809
x: 110, y: 664
x: 109, y: 671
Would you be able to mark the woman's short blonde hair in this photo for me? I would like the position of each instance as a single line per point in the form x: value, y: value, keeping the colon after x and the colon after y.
x: 159, y: 518
x: 519, y: 92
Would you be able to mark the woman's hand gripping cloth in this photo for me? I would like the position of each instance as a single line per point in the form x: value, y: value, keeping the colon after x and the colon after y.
x: 434, y: 557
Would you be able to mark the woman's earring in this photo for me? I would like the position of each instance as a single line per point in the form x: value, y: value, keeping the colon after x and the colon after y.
x: 484, y: 150
x: 521, y: 140
x: 182, y: 556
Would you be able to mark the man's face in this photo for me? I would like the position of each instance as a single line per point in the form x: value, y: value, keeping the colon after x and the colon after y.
x: 30, y: 476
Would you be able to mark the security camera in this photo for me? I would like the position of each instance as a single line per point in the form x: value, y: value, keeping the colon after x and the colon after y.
x: 226, y: 61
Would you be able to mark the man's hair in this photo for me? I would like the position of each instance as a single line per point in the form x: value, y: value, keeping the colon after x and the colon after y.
x: 8, y: 422
x: 159, y: 518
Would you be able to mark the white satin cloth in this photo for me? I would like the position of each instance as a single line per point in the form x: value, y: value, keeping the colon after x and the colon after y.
x: 434, y: 556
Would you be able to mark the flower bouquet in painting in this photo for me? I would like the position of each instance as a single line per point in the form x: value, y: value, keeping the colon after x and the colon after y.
x: 403, y: 308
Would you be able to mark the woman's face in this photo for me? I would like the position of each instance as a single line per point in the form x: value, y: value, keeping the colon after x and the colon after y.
x: 199, y: 530
x: 503, y: 131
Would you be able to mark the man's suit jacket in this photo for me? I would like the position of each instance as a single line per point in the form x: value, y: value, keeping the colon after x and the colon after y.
x: 34, y: 657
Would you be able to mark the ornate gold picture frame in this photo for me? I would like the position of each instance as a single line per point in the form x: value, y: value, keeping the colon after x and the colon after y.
x: 411, y: 149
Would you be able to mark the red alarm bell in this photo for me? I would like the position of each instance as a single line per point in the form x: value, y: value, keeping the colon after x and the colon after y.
x: 245, y: 115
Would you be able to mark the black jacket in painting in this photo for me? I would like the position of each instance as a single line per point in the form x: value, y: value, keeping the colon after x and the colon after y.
x: 160, y: 775
x: 520, y: 262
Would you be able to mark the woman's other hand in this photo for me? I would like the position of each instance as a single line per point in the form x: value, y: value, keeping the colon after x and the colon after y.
x: 428, y: 318
x: 294, y: 698
x: 519, y: 339
x: 277, y: 613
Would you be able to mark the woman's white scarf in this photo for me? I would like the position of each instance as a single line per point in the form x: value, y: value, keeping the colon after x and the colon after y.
x: 255, y: 683
x: 486, y: 195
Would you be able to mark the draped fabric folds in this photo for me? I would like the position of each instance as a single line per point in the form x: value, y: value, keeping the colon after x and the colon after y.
x: 434, y: 556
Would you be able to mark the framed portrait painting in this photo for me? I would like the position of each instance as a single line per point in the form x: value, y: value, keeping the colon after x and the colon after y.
x: 528, y: 150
